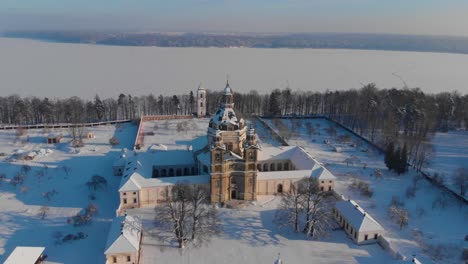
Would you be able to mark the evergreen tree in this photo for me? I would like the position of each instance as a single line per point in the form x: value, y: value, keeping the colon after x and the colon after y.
x: 389, y: 156
x: 191, y: 101
x: 274, y: 103
x: 99, y: 107
x: 402, y: 160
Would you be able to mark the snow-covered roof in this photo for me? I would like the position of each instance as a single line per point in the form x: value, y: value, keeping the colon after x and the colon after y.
x: 24, y: 255
x: 158, y: 147
x: 54, y: 135
x: 205, y: 158
x: 301, y: 160
x: 275, y: 153
x: 225, y: 115
x: 280, y: 175
x: 231, y: 156
x: 322, y: 173
x: 199, y: 143
x: 124, y: 235
x: 357, y: 217
x: 173, y: 158
x: 319, y: 173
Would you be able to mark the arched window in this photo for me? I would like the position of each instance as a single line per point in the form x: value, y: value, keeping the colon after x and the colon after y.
x: 279, y: 166
x: 286, y: 166
x: 259, y: 167
x: 272, y: 167
x: 179, y: 172
x: 155, y: 173
x: 265, y: 167
x: 186, y: 171
x: 171, y: 172
x: 163, y: 173
x: 279, y: 188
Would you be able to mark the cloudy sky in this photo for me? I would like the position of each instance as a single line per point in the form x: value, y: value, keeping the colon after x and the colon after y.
x: 434, y: 17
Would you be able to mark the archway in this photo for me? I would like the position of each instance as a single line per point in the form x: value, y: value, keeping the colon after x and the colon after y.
x: 279, y: 188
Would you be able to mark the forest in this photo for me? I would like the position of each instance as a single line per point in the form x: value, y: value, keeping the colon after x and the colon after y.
x: 401, y: 116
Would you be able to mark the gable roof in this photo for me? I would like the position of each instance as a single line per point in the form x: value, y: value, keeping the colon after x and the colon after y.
x: 124, y: 235
x: 24, y: 255
x: 357, y: 217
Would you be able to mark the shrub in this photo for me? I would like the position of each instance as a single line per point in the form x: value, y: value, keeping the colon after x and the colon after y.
x: 410, y: 191
x: 114, y: 141
x: 96, y: 182
x: 18, y: 179
x: 465, y: 254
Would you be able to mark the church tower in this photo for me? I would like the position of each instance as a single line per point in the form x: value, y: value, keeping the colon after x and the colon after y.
x: 233, y: 154
x: 201, y: 101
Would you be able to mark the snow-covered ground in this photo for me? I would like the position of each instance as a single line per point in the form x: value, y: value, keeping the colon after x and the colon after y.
x: 435, y: 228
x: 26, y: 67
x: 176, y: 133
x: 62, y: 171
x: 249, y: 236
x: 450, y: 154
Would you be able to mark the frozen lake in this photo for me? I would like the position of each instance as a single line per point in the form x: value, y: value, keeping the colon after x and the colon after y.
x: 29, y: 67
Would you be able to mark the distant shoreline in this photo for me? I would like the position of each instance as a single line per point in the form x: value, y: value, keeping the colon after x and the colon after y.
x: 58, y: 70
x: 378, y: 42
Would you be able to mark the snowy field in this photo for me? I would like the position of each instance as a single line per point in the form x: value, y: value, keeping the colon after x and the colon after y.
x: 36, y: 68
x: 450, y: 154
x: 62, y: 172
x: 249, y: 236
x: 176, y: 133
x: 437, y: 222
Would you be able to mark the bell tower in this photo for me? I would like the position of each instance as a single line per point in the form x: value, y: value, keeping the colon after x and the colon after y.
x: 201, y: 101
x: 250, y: 156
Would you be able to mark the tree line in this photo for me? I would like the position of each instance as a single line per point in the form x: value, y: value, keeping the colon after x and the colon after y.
x: 402, y: 116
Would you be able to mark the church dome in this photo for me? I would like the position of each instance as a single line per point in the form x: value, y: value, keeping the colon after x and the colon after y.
x: 226, y: 117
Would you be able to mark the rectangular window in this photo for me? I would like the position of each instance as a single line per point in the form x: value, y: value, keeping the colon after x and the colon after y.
x: 355, y: 235
x: 134, y: 192
x: 129, y: 258
x: 114, y: 259
x: 125, y: 201
x: 124, y: 193
x: 365, y: 237
x: 134, y: 200
x: 375, y: 236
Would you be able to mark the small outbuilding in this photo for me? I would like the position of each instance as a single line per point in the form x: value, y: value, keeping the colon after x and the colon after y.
x: 123, y: 242
x: 26, y: 255
x: 54, y: 138
x: 357, y: 223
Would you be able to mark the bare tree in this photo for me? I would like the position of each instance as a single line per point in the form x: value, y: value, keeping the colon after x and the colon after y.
x: 96, y: 182
x: 77, y: 132
x: 2, y: 178
x: 399, y: 214
x: 290, y: 208
x: 317, y: 219
x: 43, y: 211
x: 186, y: 216
x: 461, y: 180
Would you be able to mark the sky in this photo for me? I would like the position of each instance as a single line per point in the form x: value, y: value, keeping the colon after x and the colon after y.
x: 428, y: 17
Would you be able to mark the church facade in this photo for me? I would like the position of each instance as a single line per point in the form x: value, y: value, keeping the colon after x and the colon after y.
x: 229, y: 161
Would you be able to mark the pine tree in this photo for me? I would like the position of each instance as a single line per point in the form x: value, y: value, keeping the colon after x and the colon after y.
x: 403, y: 160
x: 389, y: 154
x: 191, y: 101
x: 274, y: 103
x: 397, y: 160
x: 98, y: 107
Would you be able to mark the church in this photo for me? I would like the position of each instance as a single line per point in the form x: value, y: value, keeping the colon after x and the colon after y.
x: 228, y: 160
